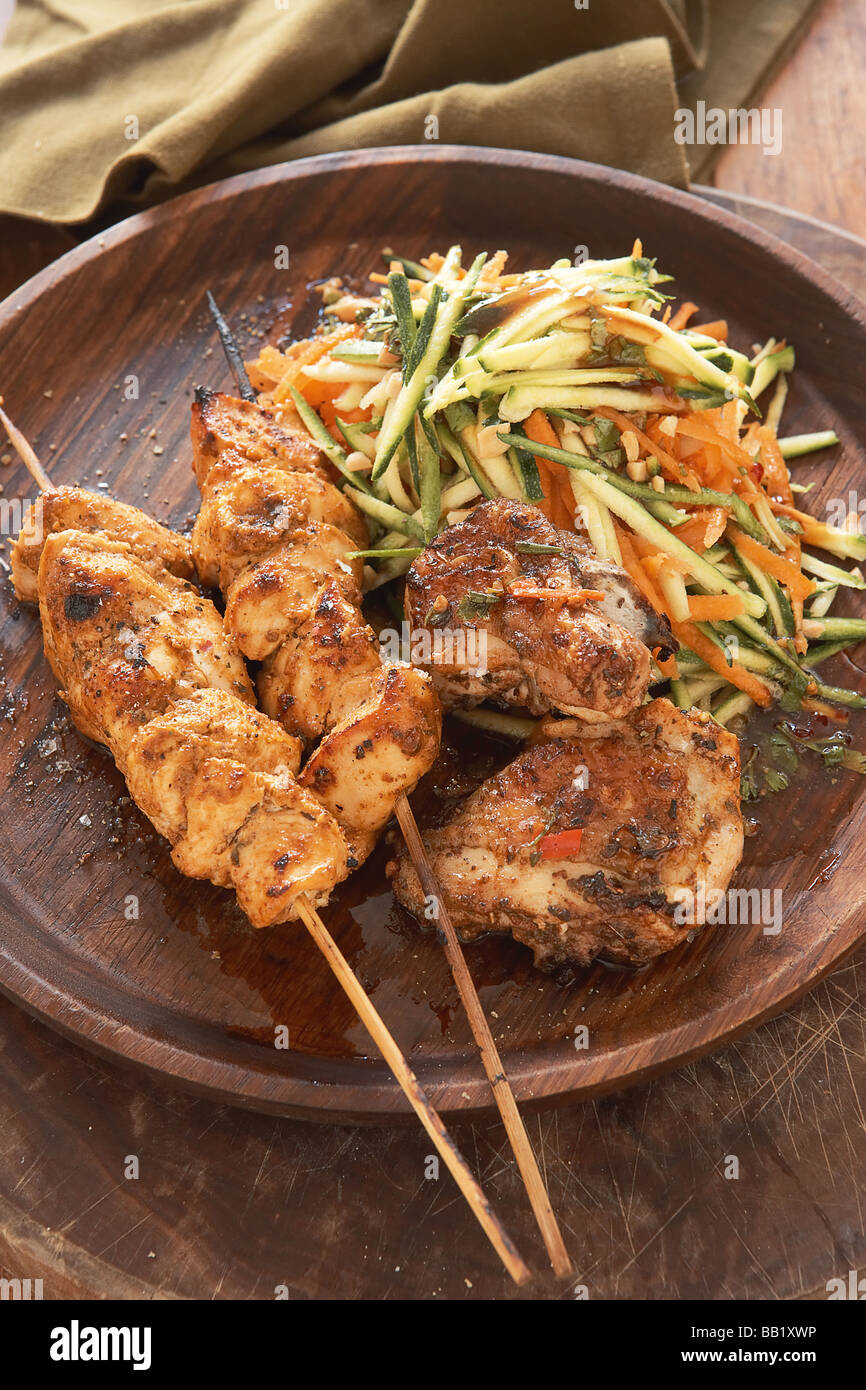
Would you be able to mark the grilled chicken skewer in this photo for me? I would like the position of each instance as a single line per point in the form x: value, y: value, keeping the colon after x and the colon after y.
x: 563, y: 630
x: 145, y: 668
x: 275, y: 533
x: 586, y: 844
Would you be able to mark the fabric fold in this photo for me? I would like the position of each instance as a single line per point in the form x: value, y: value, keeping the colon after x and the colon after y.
x: 110, y: 104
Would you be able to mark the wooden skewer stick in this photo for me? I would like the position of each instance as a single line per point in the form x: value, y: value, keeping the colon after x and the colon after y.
x: 367, y: 1012
x: 429, y: 1117
x: 502, y: 1092
x: 511, y: 1118
x: 232, y: 351
x: 27, y: 453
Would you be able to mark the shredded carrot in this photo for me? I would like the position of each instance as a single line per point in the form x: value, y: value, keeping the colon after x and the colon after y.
x: 777, y: 481
x: 673, y: 466
x: 721, y: 481
x: 713, y: 608
x: 539, y: 429
x: 561, y: 516
x: 821, y: 707
x: 693, y: 428
x: 683, y: 314
x: 636, y: 334
x: 704, y: 528
x: 669, y: 667
x: 653, y: 563
x: 692, y: 637
x: 729, y: 421
x: 717, y: 328
x: 545, y: 477
x: 632, y: 565
x: 778, y: 566
x: 776, y: 478
x: 329, y: 414
x: 812, y: 532
x: 314, y: 392
x: 523, y: 588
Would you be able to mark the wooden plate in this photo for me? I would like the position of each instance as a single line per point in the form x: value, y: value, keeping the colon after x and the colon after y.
x: 100, y: 936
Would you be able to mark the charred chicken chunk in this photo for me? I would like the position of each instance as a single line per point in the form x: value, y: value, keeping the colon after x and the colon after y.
x: 125, y: 642
x: 376, y: 752
x: 322, y: 670
x: 75, y: 509
x: 217, y: 780
x: 563, y: 630
x: 584, y: 845
x: 221, y: 422
x: 248, y: 512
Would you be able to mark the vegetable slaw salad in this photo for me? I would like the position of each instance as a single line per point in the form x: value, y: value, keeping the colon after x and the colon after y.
x: 578, y: 389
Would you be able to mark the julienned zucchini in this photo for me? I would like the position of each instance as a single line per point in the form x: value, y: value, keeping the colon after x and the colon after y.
x: 768, y: 368
x: 737, y: 703
x: 772, y: 593
x: 526, y: 322
x: 520, y: 401
x: 430, y: 487
x: 358, y: 351
x: 640, y: 521
x: 797, y: 445
x: 673, y: 493
x: 357, y: 438
x: 552, y: 351
x: 526, y: 470
x: 390, y: 516
x: 423, y: 367
x: 849, y: 579
x: 697, y: 366
x: 476, y: 384
x: 328, y: 445
x: 451, y: 445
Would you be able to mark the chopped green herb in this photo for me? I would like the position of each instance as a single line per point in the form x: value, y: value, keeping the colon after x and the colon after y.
x: 833, y: 749
x: 550, y: 819
x: 776, y: 781
x: 436, y: 617
x: 607, y: 435
x: 748, y: 783
x: 477, y: 605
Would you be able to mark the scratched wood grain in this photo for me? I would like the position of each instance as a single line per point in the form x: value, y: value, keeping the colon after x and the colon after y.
x: 232, y: 1205
x: 820, y: 91
x: 185, y: 988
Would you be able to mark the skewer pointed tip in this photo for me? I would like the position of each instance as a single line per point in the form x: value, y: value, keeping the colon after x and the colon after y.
x: 26, y: 452
x: 231, y: 350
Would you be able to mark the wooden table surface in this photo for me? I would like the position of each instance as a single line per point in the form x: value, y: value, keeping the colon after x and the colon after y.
x: 229, y: 1204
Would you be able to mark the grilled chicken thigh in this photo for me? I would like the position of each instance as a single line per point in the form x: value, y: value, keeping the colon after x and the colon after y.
x: 516, y: 579
x: 74, y: 509
x: 656, y: 798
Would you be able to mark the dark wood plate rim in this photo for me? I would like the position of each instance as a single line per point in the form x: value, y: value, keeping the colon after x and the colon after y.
x: 306, y: 1093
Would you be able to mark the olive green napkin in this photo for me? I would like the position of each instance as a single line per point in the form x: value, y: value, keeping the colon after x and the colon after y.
x: 104, y: 103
